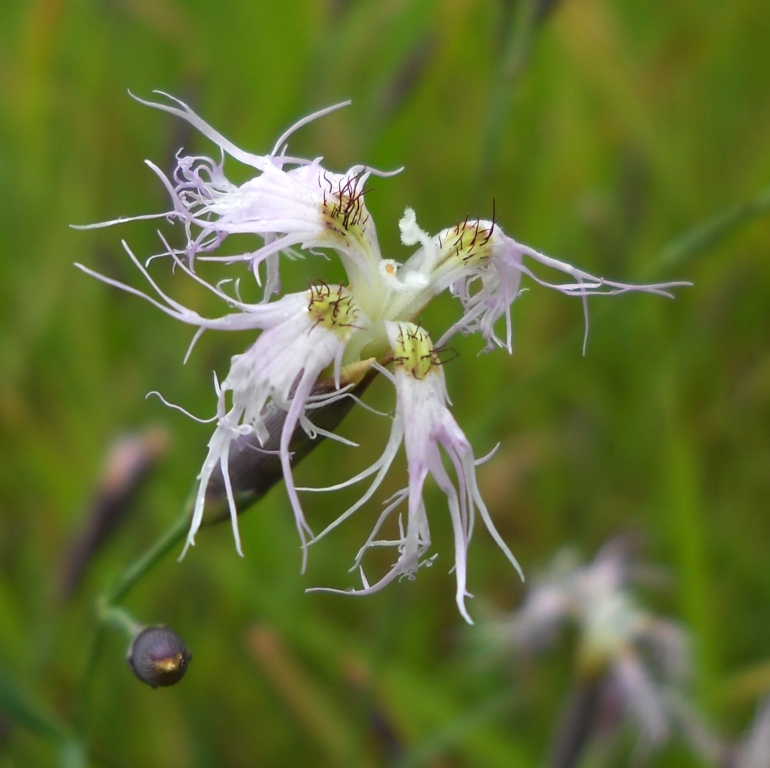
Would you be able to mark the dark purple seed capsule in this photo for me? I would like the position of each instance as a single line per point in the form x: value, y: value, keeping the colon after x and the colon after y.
x: 158, y: 656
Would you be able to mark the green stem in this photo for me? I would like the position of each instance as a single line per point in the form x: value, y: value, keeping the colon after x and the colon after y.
x: 120, y: 619
x: 577, y: 724
x: 109, y: 613
x: 136, y: 570
x: 88, y: 675
x: 252, y: 473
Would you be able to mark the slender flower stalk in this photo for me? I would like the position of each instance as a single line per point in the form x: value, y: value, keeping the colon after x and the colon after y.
x: 295, y: 205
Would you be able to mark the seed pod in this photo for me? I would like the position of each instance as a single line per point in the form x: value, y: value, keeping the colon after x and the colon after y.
x: 158, y: 656
x: 128, y: 464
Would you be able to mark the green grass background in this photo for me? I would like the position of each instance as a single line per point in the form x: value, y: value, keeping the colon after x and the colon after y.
x: 631, y: 139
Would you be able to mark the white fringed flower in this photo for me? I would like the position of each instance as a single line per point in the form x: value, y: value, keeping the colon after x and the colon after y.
x: 293, y: 202
x: 306, y: 206
x: 424, y: 425
x: 279, y: 371
x: 483, y: 267
x: 642, y: 656
x: 303, y: 334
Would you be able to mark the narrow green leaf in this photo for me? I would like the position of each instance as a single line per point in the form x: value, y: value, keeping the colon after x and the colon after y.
x: 711, y: 231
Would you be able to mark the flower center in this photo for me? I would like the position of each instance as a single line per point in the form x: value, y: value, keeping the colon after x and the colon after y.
x: 343, y: 211
x: 333, y: 307
x: 467, y: 244
x: 413, y: 351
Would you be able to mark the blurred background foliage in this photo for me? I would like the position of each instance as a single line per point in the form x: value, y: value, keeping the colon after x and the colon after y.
x: 630, y: 139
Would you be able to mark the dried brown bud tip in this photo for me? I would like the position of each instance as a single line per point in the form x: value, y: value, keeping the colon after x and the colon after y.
x: 158, y: 656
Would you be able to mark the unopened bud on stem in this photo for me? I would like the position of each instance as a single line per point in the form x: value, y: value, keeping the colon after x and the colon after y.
x: 158, y: 657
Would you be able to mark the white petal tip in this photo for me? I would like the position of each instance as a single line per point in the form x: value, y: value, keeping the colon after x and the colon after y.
x: 189, y: 543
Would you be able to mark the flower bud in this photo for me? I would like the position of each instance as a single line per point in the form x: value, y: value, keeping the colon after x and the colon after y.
x: 128, y: 464
x: 158, y: 656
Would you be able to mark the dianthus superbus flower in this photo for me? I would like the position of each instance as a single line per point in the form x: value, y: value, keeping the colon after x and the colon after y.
x: 294, y: 203
x: 279, y: 371
x: 424, y: 425
x: 640, y: 657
